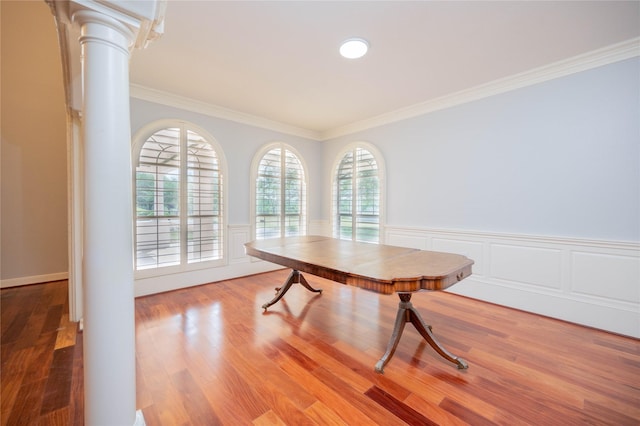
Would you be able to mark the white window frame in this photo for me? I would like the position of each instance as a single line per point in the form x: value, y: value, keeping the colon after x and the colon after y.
x: 139, y: 140
x: 255, y: 164
x: 352, y: 148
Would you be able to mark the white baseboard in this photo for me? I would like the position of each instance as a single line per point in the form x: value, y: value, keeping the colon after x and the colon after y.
x: 34, y: 279
x: 590, y: 282
x: 621, y: 319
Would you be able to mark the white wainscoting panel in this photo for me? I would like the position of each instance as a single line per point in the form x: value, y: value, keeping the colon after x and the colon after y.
x: 471, y: 249
x: 606, y: 275
x: 238, y: 236
x: 526, y: 265
x: 404, y: 240
x: 590, y: 282
x: 319, y: 227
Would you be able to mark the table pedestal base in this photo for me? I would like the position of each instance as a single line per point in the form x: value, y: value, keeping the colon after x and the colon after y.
x: 407, y: 313
x: 295, y: 277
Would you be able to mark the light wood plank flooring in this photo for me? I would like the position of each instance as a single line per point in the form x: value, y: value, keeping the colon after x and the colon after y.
x: 209, y: 355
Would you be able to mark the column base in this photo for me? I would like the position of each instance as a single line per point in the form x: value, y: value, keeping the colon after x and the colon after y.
x: 139, y: 419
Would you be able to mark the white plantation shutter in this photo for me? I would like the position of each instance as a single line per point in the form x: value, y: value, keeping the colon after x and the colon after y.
x: 280, y: 195
x: 356, y: 195
x: 178, y: 193
x: 344, y: 198
x: 158, y: 201
x: 269, y: 195
x: 204, y: 201
x: 294, y: 196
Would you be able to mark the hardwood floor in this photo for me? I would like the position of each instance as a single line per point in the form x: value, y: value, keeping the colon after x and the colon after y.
x: 209, y: 355
x: 41, y: 355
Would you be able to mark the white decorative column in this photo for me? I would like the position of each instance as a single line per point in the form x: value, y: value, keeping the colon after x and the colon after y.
x: 105, y: 32
x: 109, y: 323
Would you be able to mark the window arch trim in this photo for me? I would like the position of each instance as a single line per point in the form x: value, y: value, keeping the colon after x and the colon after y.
x: 377, y: 155
x: 138, y: 141
x: 255, y: 164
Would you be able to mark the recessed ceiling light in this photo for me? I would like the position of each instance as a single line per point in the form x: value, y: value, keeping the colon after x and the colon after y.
x: 354, y: 48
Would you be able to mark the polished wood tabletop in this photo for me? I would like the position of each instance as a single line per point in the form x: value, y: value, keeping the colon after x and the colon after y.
x: 377, y: 267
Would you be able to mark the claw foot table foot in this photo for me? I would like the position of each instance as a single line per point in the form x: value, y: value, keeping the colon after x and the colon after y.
x: 295, y: 277
x: 407, y: 313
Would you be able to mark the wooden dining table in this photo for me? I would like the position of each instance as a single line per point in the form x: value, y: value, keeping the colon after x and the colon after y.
x: 380, y: 268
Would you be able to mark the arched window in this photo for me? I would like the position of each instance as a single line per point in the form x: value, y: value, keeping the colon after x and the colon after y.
x: 280, y: 193
x: 179, y: 198
x: 357, y: 194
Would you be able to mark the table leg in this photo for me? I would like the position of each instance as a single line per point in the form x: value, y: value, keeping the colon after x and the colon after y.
x: 407, y: 313
x: 295, y: 277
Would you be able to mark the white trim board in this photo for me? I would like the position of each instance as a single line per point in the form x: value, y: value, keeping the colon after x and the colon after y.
x: 34, y: 279
x: 590, y: 282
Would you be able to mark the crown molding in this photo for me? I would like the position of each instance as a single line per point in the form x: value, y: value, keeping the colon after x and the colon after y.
x: 188, y: 104
x: 596, y: 58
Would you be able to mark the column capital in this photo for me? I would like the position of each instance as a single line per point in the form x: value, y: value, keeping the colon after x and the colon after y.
x: 98, y: 27
x: 145, y: 19
x: 139, y: 21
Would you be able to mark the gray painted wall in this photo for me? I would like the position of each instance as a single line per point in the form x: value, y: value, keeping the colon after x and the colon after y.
x: 560, y: 158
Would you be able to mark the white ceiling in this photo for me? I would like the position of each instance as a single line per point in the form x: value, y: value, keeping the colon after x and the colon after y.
x: 280, y: 61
